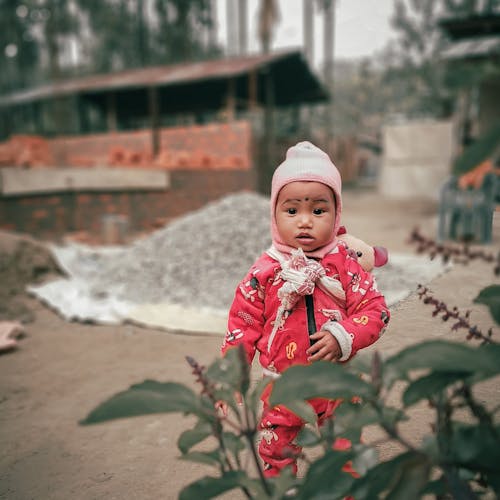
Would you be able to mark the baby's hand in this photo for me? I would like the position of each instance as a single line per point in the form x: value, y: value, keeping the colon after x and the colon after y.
x: 326, y: 347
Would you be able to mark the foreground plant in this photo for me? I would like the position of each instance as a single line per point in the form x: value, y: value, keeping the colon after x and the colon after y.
x: 458, y: 458
x: 464, y: 455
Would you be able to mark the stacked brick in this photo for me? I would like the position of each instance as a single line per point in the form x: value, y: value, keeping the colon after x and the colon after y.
x: 224, y: 146
x: 29, y: 151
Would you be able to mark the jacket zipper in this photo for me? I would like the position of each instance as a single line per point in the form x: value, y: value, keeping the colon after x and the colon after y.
x: 311, y: 321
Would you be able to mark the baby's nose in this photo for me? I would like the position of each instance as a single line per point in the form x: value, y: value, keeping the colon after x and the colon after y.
x: 305, y: 220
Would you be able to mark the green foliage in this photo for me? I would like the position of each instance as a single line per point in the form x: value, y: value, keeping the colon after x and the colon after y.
x: 490, y: 296
x: 440, y: 372
x: 109, y: 35
x: 414, y: 65
x: 146, y: 398
x: 480, y: 150
x: 459, y: 458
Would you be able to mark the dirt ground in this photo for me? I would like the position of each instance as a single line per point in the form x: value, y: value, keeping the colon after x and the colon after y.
x: 63, y: 370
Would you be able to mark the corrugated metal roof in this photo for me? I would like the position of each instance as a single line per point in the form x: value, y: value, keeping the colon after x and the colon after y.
x: 473, y: 48
x: 162, y: 76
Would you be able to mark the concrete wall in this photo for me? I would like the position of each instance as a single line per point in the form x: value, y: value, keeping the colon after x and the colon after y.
x: 417, y: 158
x: 51, y: 215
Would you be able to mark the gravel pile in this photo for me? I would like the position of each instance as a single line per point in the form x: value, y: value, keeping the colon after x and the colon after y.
x: 197, y: 260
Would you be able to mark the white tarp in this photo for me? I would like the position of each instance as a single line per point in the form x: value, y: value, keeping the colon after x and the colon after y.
x: 78, y: 298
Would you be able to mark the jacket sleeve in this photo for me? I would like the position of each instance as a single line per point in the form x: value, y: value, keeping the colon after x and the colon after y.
x: 246, y: 315
x: 366, y: 311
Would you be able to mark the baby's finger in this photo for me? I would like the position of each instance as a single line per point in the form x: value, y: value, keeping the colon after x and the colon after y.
x: 319, y: 354
x: 314, y: 348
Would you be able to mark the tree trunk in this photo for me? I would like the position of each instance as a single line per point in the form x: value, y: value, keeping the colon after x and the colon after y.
x: 231, y: 26
x: 329, y: 40
x: 308, y: 11
x: 242, y: 27
x: 212, y: 29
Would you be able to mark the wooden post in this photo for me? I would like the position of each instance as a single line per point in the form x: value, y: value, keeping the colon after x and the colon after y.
x: 83, y: 121
x: 230, y: 100
x: 154, y: 113
x: 252, y: 90
x: 267, y: 166
x: 111, y: 111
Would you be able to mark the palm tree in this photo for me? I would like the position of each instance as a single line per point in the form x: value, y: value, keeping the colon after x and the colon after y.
x: 308, y: 21
x: 268, y: 18
x: 242, y: 27
x: 328, y: 7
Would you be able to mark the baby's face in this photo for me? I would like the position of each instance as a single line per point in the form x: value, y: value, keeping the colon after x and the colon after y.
x: 305, y: 215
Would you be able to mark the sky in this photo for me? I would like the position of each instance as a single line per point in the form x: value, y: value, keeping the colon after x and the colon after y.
x: 362, y: 27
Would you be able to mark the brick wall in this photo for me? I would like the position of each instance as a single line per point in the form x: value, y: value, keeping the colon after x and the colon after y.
x: 205, y: 163
x: 215, y: 146
x: 53, y: 215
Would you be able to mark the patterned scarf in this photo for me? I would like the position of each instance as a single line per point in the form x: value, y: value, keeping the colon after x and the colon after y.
x: 300, y: 276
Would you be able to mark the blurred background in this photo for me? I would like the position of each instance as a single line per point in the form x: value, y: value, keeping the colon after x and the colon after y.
x: 137, y: 143
x: 137, y: 111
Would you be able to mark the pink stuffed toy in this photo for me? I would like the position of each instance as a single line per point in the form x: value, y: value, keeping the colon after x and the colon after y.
x: 367, y: 256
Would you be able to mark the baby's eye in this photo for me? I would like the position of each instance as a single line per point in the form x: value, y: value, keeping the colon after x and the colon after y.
x: 318, y: 211
x: 291, y: 211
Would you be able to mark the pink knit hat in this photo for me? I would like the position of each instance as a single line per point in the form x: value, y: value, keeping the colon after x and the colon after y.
x: 306, y: 162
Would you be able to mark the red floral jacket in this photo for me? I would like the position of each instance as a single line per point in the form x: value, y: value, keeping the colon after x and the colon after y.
x: 356, y: 324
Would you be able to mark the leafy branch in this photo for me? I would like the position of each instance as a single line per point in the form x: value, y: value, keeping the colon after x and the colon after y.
x: 462, y: 319
x: 461, y: 254
x: 459, y: 459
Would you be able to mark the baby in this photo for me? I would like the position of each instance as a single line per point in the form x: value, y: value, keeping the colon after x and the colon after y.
x: 306, y: 298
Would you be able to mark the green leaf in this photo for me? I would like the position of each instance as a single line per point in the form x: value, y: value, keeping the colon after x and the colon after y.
x: 490, y: 297
x: 443, y: 356
x: 386, y: 477
x: 307, y: 437
x: 362, y: 363
x: 231, y: 371
x: 412, y: 480
x: 494, y: 482
x: 303, y: 410
x: 210, y: 487
x: 430, y: 385
x: 203, y: 457
x: 437, y: 488
x: 230, y: 375
x: 325, y: 479
x: 476, y: 447
x: 192, y: 437
x: 281, y: 485
x: 235, y: 444
x: 321, y: 379
x: 358, y: 415
x: 365, y: 459
x: 146, y: 398
x: 253, y: 399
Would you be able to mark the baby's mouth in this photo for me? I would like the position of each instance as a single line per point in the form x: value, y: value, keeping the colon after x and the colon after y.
x: 305, y: 238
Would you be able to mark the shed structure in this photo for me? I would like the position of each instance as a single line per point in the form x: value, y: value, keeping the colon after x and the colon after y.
x: 153, y: 96
x: 197, y: 116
